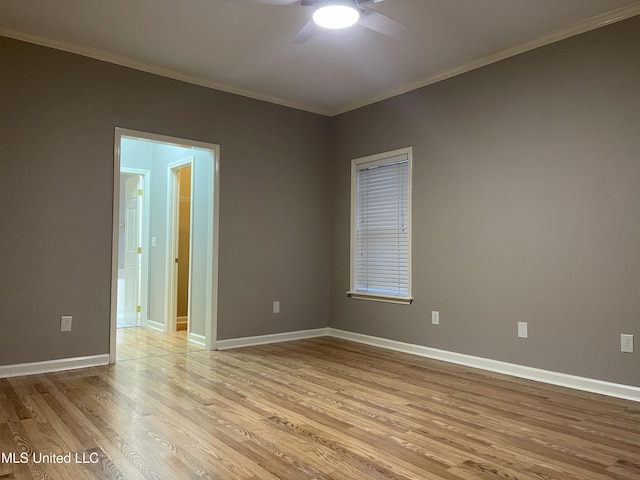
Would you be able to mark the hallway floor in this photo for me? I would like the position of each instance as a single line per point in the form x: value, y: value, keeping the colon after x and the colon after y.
x: 138, y: 342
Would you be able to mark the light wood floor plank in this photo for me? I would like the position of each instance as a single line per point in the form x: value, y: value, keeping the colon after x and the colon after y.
x: 135, y: 343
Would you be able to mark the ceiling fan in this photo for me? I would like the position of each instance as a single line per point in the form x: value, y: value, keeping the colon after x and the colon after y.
x: 338, y: 14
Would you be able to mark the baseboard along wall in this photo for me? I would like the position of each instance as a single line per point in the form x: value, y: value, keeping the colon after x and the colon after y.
x: 617, y: 390
x: 50, y: 366
x: 197, y: 339
x: 627, y: 392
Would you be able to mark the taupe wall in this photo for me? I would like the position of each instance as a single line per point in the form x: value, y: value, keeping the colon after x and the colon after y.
x: 58, y: 113
x: 526, y: 197
x: 526, y: 207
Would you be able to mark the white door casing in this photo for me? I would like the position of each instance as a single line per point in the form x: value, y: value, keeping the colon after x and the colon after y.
x: 209, y: 258
x: 173, y: 211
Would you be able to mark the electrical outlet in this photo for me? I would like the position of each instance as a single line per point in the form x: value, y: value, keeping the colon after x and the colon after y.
x: 65, y: 323
x: 435, y: 318
x: 276, y: 307
x: 626, y: 343
x: 523, y: 330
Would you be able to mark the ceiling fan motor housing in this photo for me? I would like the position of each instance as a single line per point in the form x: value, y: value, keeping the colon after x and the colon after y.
x: 336, y: 14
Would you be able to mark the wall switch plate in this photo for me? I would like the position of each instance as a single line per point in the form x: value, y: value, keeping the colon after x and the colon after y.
x: 523, y: 330
x: 154, y: 241
x: 276, y: 307
x: 626, y: 343
x: 65, y: 323
x: 435, y: 318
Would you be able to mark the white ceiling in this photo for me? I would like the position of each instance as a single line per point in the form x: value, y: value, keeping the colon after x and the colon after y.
x: 247, y: 48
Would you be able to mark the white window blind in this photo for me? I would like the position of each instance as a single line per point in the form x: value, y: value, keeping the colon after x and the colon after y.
x: 380, y: 230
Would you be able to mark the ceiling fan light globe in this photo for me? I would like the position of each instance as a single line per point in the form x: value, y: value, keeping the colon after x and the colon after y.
x: 336, y: 14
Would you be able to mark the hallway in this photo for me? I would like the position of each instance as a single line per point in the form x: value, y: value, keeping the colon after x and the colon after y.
x: 137, y: 342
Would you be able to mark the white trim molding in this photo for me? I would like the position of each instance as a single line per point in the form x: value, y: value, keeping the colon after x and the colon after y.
x: 578, y: 28
x: 197, y: 339
x: 50, y: 366
x: 157, y: 326
x: 212, y: 226
x: 592, y: 23
x: 155, y: 69
x: 367, y: 215
x: 627, y: 392
x: 272, y: 338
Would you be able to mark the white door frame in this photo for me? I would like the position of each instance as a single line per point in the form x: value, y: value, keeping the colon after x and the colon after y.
x: 146, y: 203
x: 211, y: 302
x: 173, y: 206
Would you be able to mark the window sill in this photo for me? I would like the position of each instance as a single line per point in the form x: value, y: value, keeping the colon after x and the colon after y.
x: 380, y: 298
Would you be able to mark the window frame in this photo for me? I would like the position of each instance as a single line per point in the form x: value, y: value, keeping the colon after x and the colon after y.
x: 356, y: 165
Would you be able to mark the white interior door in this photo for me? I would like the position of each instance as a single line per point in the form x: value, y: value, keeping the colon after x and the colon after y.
x: 132, y: 250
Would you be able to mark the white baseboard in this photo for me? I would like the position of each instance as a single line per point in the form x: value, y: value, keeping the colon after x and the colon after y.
x: 197, y: 339
x: 272, y: 338
x: 153, y: 325
x: 627, y: 392
x: 50, y: 366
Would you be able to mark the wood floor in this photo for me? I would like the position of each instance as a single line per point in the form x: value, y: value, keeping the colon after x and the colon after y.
x: 134, y: 343
x: 313, y: 409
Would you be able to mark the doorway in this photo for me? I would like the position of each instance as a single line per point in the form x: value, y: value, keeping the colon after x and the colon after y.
x: 165, y: 237
x: 179, y: 259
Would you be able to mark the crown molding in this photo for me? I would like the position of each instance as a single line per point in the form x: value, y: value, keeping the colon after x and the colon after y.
x: 148, y: 67
x: 156, y: 69
x: 592, y: 23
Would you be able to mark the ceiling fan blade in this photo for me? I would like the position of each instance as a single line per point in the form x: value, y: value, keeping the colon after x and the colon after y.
x: 305, y: 33
x: 264, y: 2
x: 380, y: 23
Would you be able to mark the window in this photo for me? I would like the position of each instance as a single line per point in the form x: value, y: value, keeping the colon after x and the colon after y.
x: 381, y: 227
